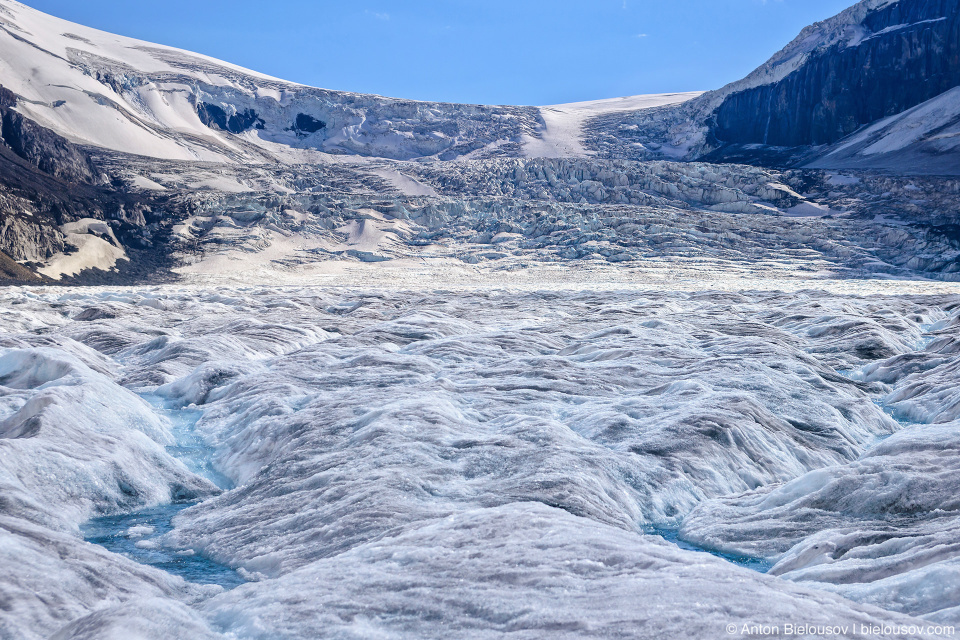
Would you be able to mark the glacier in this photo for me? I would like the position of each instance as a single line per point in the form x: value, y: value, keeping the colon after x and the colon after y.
x: 290, y: 363
x: 383, y: 463
x: 127, y: 162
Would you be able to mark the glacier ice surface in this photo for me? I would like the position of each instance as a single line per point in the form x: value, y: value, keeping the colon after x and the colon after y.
x: 482, y: 463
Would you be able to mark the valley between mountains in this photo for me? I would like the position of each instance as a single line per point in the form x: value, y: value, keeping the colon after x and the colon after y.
x: 281, y: 362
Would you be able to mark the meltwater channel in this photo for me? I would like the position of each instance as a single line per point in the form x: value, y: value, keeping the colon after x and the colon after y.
x: 136, y: 535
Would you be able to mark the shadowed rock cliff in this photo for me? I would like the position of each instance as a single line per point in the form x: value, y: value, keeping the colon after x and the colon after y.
x: 904, y: 54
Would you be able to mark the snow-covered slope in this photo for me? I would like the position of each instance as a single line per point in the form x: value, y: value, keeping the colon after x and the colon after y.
x: 131, y: 96
x: 144, y: 115
x: 562, y: 132
x: 94, y: 88
x: 872, y: 66
x: 925, y: 139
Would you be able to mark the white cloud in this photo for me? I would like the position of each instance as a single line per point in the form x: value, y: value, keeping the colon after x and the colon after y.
x: 378, y: 15
x: 641, y: 35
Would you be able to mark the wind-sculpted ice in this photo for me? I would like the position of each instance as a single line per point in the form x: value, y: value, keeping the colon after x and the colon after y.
x: 926, y: 389
x: 74, y: 444
x: 421, y: 464
x: 520, y: 571
x: 91, y: 446
x: 882, y: 529
x: 631, y: 424
x: 51, y: 579
x: 148, y: 618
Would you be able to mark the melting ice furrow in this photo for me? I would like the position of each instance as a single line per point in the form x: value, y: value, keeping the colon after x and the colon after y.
x: 137, y: 535
x: 672, y: 535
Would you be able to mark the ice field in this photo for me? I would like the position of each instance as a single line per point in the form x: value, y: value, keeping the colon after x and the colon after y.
x: 257, y: 463
x: 291, y: 363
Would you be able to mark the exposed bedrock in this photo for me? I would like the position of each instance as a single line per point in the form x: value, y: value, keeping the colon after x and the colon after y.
x: 42, y: 148
x: 47, y: 182
x: 909, y: 53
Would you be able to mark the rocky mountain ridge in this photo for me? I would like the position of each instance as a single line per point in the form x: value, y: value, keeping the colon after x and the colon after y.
x: 129, y: 162
x: 812, y: 101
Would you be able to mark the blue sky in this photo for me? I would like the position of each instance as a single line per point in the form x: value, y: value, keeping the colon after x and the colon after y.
x: 482, y: 51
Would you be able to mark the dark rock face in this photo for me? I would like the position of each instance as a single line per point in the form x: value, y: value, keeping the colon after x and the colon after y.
x: 46, y: 181
x: 214, y: 116
x: 8, y: 99
x: 757, y: 156
x: 10, y: 270
x: 26, y: 238
x: 49, y: 152
x: 912, y: 56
